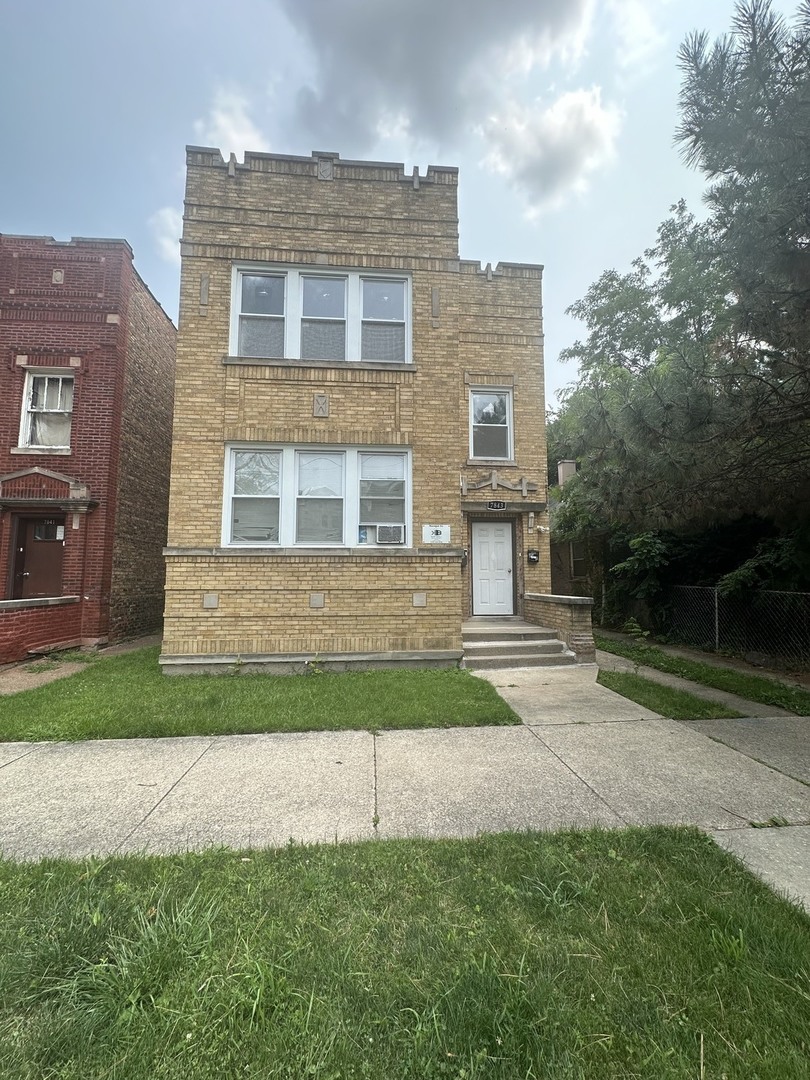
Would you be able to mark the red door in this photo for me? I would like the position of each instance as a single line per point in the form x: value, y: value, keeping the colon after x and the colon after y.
x: 38, y: 557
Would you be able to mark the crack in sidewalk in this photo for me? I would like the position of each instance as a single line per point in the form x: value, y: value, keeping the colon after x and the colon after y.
x: 581, y: 779
x: 164, y: 796
x: 375, y: 820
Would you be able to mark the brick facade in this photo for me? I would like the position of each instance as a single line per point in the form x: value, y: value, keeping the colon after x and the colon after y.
x: 470, y: 328
x: 79, y: 311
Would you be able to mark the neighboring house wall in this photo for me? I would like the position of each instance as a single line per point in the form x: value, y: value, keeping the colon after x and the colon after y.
x: 145, y: 442
x: 569, y: 568
x: 77, y: 314
x: 467, y: 329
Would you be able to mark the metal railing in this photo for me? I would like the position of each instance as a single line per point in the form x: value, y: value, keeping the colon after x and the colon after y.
x: 766, y: 626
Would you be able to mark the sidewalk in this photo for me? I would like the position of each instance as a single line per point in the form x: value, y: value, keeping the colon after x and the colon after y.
x: 610, y: 662
x: 584, y: 756
x: 730, y: 663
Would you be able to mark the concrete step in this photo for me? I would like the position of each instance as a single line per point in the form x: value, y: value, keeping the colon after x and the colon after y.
x: 519, y: 660
x: 545, y: 646
x: 517, y: 632
x: 510, y: 642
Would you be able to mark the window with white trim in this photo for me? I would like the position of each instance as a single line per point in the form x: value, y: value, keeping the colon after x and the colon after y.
x: 491, y: 429
x: 293, y: 314
x: 47, y: 411
x: 255, y: 500
x: 316, y: 496
x: 319, y: 502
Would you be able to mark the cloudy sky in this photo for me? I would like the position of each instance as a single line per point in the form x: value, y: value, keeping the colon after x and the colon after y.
x: 559, y: 113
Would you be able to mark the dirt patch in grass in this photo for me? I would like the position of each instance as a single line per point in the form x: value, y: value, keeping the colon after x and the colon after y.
x: 39, y: 671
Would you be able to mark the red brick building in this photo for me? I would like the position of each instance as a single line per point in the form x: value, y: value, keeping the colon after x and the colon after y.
x: 86, y: 389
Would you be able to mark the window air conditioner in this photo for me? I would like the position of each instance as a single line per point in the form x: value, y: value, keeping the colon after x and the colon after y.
x: 390, y: 534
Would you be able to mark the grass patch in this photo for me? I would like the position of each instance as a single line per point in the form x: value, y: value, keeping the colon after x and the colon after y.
x: 676, y: 704
x: 563, y: 957
x: 127, y: 696
x: 751, y: 687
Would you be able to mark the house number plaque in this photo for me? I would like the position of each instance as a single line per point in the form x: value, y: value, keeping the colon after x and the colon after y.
x: 496, y: 504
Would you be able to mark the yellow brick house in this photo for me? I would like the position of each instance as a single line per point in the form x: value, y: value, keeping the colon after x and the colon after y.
x: 359, y: 460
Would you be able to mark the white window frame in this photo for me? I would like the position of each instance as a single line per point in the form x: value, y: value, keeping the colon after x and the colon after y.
x: 288, y: 497
x: 510, y: 421
x: 235, y: 498
x: 27, y: 413
x: 293, y: 307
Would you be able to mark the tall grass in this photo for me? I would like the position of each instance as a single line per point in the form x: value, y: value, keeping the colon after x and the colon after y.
x: 575, y: 955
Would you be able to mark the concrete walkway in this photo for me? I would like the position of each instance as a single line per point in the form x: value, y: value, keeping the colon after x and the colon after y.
x: 583, y: 756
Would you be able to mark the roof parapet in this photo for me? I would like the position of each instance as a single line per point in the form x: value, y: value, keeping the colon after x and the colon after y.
x: 323, y: 164
x: 502, y: 269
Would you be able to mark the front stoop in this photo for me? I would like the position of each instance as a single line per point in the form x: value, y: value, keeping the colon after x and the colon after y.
x: 511, y: 642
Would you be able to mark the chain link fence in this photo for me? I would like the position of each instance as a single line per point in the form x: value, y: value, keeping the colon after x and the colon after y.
x: 771, y: 628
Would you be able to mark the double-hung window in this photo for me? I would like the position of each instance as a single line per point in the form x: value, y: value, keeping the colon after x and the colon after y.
x: 382, y: 491
x: 261, y: 319
x: 296, y: 314
x: 383, y: 334
x: 311, y: 496
x: 319, y: 505
x: 491, y: 434
x: 323, y: 318
x: 255, y: 500
x: 47, y: 411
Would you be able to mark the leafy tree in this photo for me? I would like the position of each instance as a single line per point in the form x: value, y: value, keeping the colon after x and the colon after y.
x: 693, y: 401
x: 745, y: 123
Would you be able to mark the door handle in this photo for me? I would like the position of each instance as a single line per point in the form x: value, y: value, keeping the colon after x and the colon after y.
x: 509, y: 571
x: 25, y: 573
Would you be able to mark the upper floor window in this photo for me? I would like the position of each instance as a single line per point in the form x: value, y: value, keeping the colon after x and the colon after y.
x: 315, y: 315
x: 47, y: 411
x: 491, y: 435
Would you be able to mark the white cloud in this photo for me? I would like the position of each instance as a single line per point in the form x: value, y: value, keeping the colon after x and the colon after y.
x: 640, y: 39
x: 549, y: 152
x: 547, y: 42
x: 228, y: 125
x: 167, y: 225
x: 435, y: 65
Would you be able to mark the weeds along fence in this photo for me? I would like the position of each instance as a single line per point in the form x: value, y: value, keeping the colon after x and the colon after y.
x: 766, y: 626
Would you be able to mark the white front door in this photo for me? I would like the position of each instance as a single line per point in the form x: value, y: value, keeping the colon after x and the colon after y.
x: 492, y: 568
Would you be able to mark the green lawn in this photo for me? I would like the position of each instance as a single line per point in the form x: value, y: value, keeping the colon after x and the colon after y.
x: 752, y: 687
x: 645, y: 954
x: 676, y: 704
x: 127, y: 696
